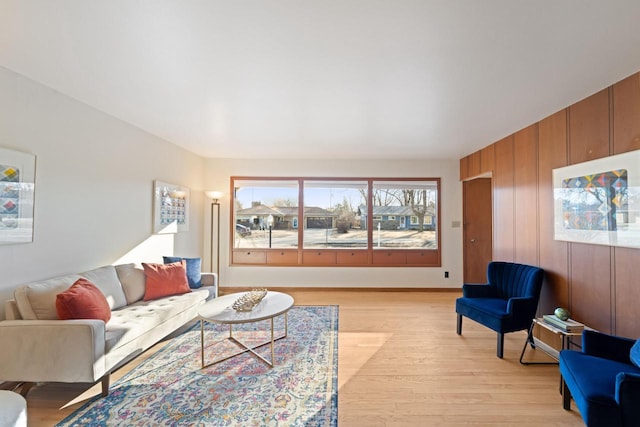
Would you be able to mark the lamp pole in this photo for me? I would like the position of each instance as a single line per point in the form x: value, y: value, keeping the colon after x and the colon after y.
x: 215, y: 205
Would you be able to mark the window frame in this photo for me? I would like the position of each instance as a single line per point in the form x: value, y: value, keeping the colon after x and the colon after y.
x: 333, y: 256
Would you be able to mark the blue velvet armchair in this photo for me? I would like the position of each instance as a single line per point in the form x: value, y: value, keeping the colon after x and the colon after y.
x: 507, y: 303
x: 603, y: 379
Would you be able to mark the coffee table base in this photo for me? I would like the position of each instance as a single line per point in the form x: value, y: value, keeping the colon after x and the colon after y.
x: 243, y: 345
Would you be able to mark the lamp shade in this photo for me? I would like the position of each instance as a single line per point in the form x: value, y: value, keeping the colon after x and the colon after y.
x: 214, y: 195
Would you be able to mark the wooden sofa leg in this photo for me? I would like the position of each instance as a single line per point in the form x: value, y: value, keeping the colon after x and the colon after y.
x: 566, y: 396
x: 105, y: 384
x: 25, y: 387
x: 459, y: 325
x: 500, y: 345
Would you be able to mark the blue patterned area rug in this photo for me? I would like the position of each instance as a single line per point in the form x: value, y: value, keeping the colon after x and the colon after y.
x: 170, y: 388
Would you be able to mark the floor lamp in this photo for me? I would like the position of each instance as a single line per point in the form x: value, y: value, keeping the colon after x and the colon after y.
x: 215, y: 202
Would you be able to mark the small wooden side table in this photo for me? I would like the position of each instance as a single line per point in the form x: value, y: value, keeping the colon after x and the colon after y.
x: 564, y: 336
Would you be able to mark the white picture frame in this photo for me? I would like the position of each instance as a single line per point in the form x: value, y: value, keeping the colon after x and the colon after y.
x: 598, y: 202
x: 171, y: 208
x: 17, y: 191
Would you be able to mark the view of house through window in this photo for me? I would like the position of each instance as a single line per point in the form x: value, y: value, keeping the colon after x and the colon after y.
x: 331, y: 218
x: 335, y: 213
x: 404, y: 214
x: 266, y: 214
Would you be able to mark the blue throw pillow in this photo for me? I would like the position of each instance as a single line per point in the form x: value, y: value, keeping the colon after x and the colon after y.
x: 193, y: 269
x: 635, y: 354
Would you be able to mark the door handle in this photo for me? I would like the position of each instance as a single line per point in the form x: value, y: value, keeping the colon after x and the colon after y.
x: 473, y: 240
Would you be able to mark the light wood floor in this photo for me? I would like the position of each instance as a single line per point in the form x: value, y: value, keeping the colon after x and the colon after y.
x: 401, y: 364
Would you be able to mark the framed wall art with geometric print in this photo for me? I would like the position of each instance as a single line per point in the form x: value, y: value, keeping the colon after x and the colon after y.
x: 171, y: 208
x: 598, y: 201
x: 17, y: 187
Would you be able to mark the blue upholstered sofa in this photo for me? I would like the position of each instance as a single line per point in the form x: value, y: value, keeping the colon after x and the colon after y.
x: 603, y: 379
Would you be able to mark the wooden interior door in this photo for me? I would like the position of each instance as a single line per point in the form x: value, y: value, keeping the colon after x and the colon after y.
x: 477, y: 229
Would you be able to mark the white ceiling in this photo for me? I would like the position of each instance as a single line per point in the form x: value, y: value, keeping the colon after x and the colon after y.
x: 324, y: 78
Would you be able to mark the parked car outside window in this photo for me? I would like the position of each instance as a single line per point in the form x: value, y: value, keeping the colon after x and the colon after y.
x: 243, y: 230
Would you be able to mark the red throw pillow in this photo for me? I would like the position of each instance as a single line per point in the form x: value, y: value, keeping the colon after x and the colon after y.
x: 83, y: 300
x: 163, y: 280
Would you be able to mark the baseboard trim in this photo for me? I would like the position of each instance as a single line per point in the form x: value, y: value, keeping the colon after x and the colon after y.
x: 234, y: 289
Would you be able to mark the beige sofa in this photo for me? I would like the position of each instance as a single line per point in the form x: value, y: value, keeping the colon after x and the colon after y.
x: 39, y: 347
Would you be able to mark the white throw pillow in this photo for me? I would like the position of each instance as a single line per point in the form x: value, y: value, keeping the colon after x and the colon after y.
x: 106, y: 279
x: 133, y: 281
x: 37, y: 301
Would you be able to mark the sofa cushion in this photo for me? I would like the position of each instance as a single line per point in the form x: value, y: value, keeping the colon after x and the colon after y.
x: 133, y: 281
x: 129, y: 323
x: 592, y: 381
x: 194, y: 267
x: 487, y: 311
x: 634, y: 355
x: 106, y: 279
x: 37, y: 301
x: 165, y: 279
x: 83, y: 300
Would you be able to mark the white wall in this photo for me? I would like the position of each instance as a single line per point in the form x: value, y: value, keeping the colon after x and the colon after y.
x: 94, y: 183
x: 217, y: 177
x: 94, y: 203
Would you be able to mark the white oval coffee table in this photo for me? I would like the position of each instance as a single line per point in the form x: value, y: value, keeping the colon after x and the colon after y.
x: 219, y: 310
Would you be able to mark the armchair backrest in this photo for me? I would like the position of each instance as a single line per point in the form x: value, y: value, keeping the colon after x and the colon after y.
x: 515, y: 280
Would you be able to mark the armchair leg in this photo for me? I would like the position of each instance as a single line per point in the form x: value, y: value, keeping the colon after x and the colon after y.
x: 566, y: 396
x: 105, y: 384
x: 459, y: 325
x: 500, y: 345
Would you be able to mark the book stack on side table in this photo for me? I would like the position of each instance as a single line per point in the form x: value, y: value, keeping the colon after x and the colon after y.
x: 568, y: 325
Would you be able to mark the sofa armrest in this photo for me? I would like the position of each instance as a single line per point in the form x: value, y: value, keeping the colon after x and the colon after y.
x: 472, y: 290
x: 210, y: 279
x: 628, y: 396
x: 52, y: 350
x: 607, y: 346
x: 11, y: 311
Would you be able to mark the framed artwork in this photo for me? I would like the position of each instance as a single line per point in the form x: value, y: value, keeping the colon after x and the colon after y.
x: 171, y: 208
x: 17, y: 186
x: 598, y: 201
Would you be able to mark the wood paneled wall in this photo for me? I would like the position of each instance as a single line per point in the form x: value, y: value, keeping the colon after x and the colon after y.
x: 595, y: 282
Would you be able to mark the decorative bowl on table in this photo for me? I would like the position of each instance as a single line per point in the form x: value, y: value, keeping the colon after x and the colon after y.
x: 249, y: 300
x: 562, y: 313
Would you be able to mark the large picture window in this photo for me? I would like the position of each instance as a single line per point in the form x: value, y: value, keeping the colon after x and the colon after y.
x: 336, y: 221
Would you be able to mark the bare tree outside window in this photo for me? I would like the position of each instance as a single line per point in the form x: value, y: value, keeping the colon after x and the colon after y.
x: 405, y: 214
